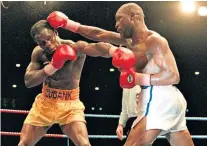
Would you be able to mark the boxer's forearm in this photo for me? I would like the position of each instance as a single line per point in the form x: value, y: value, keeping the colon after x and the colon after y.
x: 97, y: 50
x: 101, y: 35
x: 165, y: 78
x: 34, y: 78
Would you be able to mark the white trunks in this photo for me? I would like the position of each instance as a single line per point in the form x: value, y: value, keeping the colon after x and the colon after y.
x: 164, y: 107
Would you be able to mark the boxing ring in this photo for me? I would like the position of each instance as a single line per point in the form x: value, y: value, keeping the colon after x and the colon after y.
x: 62, y: 136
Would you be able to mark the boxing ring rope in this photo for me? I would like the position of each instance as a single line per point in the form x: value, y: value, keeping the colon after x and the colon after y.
x: 96, y: 115
x: 93, y: 136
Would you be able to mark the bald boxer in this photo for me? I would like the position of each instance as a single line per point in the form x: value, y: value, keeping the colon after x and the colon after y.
x: 162, y: 106
x: 58, y: 66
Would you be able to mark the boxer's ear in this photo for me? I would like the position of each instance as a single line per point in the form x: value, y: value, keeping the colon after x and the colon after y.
x: 132, y: 16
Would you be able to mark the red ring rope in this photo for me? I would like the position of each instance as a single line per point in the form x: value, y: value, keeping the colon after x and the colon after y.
x: 46, y: 135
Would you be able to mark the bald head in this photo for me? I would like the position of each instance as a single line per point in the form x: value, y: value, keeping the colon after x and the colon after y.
x: 131, y: 8
x: 129, y: 19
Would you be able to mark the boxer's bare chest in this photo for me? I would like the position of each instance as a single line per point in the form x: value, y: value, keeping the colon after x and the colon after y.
x: 68, y: 76
x: 140, y: 51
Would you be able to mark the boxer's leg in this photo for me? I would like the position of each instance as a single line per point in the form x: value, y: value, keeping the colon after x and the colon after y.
x: 77, y: 132
x: 30, y: 134
x: 139, y: 136
x: 180, y: 138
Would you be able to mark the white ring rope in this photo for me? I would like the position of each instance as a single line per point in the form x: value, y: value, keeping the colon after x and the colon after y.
x: 92, y: 136
x: 96, y: 115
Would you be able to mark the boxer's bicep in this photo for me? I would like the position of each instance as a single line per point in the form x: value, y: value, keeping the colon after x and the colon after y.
x: 100, y: 35
x: 163, y: 59
x: 33, y: 66
x: 158, y: 49
x: 112, y: 37
x: 35, y: 62
x: 35, y: 74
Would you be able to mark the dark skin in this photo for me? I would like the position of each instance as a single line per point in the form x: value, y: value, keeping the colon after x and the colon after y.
x: 156, y: 47
x: 147, y: 46
x: 68, y: 77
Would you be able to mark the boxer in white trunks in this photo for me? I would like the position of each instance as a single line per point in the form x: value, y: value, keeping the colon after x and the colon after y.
x: 151, y: 65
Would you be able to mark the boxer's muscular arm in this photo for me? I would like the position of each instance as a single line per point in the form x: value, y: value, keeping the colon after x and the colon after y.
x: 165, y: 60
x: 35, y: 74
x: 94, y: 49
x: 100, y: 35
x: 58, y: 19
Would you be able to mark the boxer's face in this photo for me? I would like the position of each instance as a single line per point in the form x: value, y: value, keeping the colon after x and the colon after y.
x: 47, y: 40
x: 123, y: 25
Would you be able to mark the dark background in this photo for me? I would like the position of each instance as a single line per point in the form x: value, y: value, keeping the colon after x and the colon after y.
x: 186, y: 33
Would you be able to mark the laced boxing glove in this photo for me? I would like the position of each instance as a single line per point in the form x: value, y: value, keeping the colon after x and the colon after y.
x: 124, y: 59
x: 61, y: 55
x: 58, y: 19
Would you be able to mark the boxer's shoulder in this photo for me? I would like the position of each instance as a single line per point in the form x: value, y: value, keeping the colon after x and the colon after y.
x: 77, y: 46
x: 38, y: 54
x: 37, y: 51
x: 155, y: 41
x: 154, y: 38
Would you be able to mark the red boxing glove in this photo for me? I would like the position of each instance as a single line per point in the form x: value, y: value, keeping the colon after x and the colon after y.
x: 123, y: 58
x: 61, y: 55
x: 57, y: 19
x: 129, y: 78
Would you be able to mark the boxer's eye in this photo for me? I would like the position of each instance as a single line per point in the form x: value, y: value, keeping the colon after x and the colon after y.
x: 49, y: 38
x: 42, y: 43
